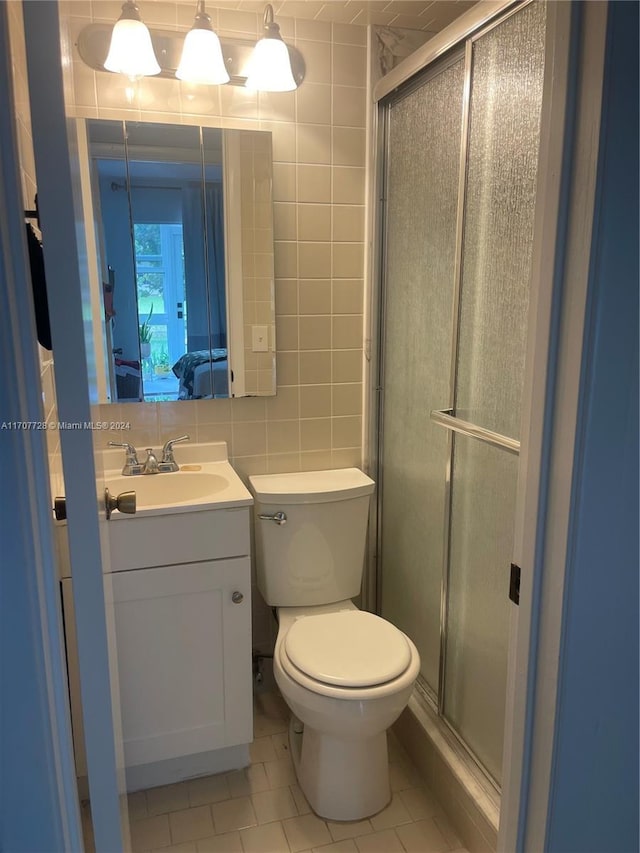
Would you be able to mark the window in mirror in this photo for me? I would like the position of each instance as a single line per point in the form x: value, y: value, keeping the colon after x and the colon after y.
x: 160, y: 286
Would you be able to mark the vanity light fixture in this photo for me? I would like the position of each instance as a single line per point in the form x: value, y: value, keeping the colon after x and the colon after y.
x: 202, y: 60
x: 171, y: 54
x: 270, y: 65
x: 131, y: 52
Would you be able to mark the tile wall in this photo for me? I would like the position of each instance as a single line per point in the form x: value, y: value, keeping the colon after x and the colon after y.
x: 318, y: 133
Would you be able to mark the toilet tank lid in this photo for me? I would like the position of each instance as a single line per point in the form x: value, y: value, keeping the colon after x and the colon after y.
x: 311, y: 486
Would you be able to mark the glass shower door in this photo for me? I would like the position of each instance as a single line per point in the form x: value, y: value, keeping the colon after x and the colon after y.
x: 424, y: 137
x: 499, y: 203
x: 460, y: 186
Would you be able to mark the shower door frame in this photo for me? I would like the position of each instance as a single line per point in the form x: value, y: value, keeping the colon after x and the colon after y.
x: 562, y: 92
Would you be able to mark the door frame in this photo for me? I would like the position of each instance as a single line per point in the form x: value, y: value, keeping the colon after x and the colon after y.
x: 55, y: 150
x: 562, y: 256
x: 35, y: 677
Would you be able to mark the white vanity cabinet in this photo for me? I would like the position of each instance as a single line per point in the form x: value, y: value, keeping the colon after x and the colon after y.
x: 183, y: 638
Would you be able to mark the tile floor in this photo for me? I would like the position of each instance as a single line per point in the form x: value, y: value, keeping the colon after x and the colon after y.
x: 262, y: 809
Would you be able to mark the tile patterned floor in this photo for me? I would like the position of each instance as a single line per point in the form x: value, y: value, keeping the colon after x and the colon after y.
x: 262, y: 809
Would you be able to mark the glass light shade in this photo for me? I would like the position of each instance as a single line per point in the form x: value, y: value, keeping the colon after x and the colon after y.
x: 131, y: 51
x: 270, y: 67
x: 201, y: 60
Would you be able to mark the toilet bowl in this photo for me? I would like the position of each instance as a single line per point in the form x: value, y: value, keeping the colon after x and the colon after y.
x: 346, y: 674
x: 344, y: 704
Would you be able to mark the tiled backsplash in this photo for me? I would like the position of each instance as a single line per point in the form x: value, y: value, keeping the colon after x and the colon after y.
x: 318, y: 134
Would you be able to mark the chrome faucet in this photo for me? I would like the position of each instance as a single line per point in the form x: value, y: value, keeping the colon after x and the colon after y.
x: 131, y: 465
x: 150, y: 465
x: 168, y: 462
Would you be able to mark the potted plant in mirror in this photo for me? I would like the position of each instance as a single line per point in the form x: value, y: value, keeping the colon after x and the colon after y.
x: 146, y: 334
x: 161, y: 364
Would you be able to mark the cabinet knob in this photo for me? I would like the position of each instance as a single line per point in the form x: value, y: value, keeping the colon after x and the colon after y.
x: 237, y: 597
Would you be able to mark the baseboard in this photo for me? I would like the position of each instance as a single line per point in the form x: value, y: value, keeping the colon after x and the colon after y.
x: 144, y: 776
x: 171, y: 770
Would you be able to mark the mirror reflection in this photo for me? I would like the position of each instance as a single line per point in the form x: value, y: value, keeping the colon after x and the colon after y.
x: 184, y: 228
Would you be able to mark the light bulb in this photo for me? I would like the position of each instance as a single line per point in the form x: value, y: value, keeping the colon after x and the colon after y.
x: 202, y: 60
x: 270, y: 64
x: 131, y: 50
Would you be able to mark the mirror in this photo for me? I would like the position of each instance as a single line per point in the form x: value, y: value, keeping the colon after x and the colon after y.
x: 183, y: 224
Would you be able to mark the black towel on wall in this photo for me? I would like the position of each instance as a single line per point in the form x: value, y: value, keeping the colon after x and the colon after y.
x: 39, y: 286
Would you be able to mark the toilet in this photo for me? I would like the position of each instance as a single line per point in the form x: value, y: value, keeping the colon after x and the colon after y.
x: 345, y: 674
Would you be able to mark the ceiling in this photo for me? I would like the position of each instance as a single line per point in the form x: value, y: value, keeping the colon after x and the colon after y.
x: 429, y: 15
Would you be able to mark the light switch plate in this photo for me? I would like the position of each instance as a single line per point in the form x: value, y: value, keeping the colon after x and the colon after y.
x: 259, y: 339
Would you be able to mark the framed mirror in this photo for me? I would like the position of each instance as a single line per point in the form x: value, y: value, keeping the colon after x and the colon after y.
x: 183, y: 223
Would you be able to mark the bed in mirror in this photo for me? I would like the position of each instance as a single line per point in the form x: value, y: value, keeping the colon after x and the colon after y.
x: 183, y: 223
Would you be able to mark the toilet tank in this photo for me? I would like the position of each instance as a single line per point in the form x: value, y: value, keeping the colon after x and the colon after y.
x: 317, y: 555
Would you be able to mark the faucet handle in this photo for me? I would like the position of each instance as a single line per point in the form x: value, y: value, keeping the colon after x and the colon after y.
x: 131, y: 465
x: 167, y: 450
x: 132, y: 453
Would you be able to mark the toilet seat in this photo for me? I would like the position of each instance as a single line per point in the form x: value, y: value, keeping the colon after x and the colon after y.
x: 346, y: 654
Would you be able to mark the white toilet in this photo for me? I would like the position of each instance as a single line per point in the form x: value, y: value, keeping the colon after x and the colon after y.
x: 346, y: 674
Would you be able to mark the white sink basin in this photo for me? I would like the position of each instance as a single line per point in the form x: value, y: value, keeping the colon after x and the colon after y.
x: 205, y: 480
x: 181, y: 487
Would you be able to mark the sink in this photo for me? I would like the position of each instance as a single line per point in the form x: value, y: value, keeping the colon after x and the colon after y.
x: 205, y: 480
x: 180, y: 487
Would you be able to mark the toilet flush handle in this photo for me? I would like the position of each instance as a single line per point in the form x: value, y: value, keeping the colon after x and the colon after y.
x: 279, y: 517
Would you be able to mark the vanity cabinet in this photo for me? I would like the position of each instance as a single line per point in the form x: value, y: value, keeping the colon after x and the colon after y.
x: 183, y: 638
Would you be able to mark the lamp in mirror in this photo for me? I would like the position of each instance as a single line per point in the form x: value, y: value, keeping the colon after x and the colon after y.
x: 130, y: 50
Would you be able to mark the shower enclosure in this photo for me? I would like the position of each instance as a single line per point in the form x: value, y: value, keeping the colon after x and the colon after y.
x: 459, y: 152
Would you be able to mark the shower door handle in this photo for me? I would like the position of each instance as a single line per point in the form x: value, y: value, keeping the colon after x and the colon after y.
x: 445, y: 418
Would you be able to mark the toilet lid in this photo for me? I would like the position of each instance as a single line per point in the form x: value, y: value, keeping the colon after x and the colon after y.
x: 350, y: 648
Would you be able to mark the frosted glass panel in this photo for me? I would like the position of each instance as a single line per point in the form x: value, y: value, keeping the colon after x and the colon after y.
x: 483, y: 496
x: 423, y: 156
x: 506, y: 98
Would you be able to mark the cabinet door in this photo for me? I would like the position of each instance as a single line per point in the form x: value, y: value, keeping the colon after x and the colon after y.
x: 184, y: 658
